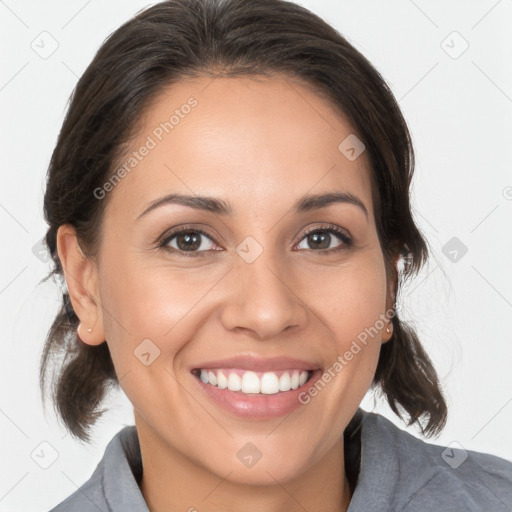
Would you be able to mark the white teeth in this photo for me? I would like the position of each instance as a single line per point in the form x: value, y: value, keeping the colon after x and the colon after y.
x: 222, y: 381
x: 234, y: 382
x: 269, y: 383
x: 250, y: 383
x: 212, y: 378
x: 285, y: 382
x: 295, y: 380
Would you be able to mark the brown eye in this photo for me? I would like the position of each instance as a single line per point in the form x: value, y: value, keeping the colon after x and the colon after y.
x: 187, y: 240
x: 323, y: 238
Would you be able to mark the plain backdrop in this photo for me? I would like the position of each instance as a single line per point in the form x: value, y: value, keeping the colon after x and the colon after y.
x: 448, y: 64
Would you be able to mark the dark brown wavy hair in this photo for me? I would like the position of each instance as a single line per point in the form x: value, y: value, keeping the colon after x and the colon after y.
x: 185, y: 38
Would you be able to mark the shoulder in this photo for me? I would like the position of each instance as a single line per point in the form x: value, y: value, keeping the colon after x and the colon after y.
x: 88, y: 498
x: 113, y: 485
x: 434, y: 477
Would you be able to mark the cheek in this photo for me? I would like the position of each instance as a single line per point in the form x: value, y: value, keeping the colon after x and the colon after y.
x: 351, y: 299
x: 150, y: 313
x: 141, y: 308
x: 355, y: 300
x: 144, y: 301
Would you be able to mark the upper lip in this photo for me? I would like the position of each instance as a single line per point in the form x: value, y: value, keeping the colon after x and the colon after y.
x: 258, y: 364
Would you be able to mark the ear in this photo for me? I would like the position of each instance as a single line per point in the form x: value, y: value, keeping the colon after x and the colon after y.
x: 81, y: 277
x: 392, y: 286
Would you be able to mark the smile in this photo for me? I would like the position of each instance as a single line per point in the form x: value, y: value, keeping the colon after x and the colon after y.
x: 255, y: 388
x: 250, y: 382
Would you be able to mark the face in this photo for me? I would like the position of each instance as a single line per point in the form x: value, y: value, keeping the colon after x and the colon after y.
x: 262, y: 282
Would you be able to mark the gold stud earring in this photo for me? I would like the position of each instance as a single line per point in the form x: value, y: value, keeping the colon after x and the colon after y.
x: 89, y: 330
x: 388, y: 330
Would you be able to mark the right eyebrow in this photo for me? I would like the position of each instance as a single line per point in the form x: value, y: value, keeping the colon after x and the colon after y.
x: 221, y: 207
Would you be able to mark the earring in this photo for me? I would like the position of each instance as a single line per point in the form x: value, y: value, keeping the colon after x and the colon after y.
x: 388, y: 330
x: 80, y: 325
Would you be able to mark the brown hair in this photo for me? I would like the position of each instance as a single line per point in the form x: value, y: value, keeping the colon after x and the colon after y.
x: 180, y: 38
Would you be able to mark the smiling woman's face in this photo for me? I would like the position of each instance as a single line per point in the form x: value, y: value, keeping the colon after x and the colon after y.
x: 255, y: 284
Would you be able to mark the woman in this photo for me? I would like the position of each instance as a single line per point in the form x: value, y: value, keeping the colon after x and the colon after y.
x: 228, y: 205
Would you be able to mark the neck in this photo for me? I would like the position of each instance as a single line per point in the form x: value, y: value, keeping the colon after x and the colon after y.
x: 173, y: 482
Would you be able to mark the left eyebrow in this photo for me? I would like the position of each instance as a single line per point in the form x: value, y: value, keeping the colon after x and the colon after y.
x: 311, y: 202
x: 220, y: 207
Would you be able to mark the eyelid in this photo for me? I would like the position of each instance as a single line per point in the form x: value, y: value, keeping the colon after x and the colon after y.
x: 176, y: 230
x: 328, y: 227
x: 169, y: 234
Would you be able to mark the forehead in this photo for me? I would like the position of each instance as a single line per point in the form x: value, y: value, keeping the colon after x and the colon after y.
x: 257, y: 142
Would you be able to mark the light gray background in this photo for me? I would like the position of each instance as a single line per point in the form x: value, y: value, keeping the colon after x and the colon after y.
x: 458, y: 106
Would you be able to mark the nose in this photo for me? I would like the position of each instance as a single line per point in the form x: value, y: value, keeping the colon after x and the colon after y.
x: 262, y: 299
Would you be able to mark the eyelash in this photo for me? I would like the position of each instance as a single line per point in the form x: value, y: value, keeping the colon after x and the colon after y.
x: 327, y: 228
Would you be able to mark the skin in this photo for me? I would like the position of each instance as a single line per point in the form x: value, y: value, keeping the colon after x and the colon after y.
x: 259, y: 144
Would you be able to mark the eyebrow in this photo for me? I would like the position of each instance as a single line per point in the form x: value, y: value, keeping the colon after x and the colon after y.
x: 221, y: 207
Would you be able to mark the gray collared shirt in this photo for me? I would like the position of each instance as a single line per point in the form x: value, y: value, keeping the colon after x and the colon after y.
x: 397, y: 472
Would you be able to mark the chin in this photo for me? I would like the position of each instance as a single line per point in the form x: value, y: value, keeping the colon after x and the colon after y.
x: 267, y: 470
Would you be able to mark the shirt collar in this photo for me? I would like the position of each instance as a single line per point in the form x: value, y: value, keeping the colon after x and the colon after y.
x: 370, y: 468
x: 122, y: 472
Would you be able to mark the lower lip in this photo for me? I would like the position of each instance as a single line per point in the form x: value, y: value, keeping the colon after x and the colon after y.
x: 257, y: 406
